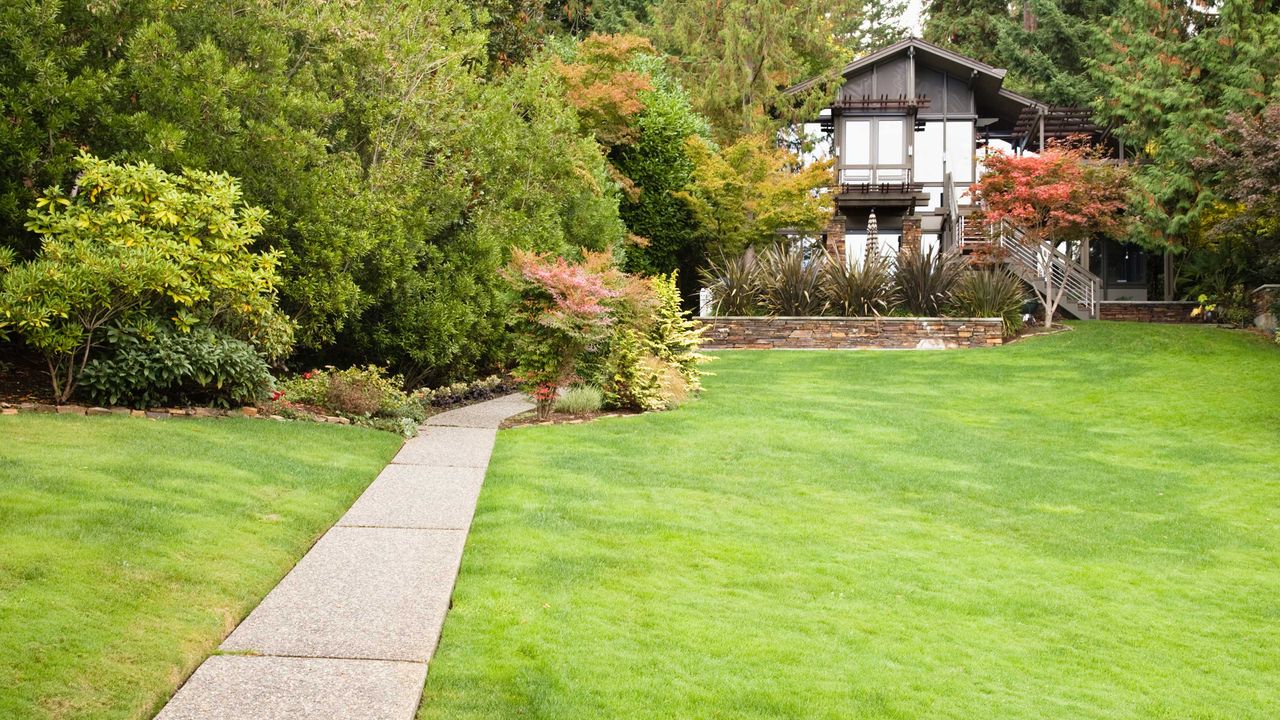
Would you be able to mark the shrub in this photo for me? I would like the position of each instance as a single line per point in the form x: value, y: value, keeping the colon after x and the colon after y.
x: 175, y: 368
x: 403, y: 426
x: 136, y: 248
x: 675, y: 337
x: 579, y: 400
x: 993, y: 292
x: 790, y: 283
x: 629, y: 379
x: 858, y: 290
x: 923, y: 282
x: 354, y: 392
x: 673, y: 386
x: 734, y: 285
x: 460, y: 392
x: 562, y: 311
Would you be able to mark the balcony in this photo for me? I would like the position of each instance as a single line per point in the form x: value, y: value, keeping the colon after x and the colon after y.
x: 878, y: 187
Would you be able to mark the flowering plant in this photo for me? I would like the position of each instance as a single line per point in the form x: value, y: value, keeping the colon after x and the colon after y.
x: 563, y: 308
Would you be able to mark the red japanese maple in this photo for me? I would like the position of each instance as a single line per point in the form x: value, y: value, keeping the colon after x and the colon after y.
x: 1064, y: 195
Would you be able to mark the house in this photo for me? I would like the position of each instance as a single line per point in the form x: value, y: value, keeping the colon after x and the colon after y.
x: 908, y: 127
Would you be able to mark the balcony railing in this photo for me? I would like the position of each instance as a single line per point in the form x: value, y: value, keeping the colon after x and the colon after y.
x: 868, y: 180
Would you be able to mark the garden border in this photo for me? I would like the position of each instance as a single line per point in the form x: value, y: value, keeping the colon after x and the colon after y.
x: 820, y: 332
x: 159, y: 413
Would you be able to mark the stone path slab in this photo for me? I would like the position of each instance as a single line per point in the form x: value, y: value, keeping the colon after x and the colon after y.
x: 402, y: 497
x: 449, y: 446
x: 361, y: 593
x: 347, y: 634
x: 482, y: 415
x: 232, y: 687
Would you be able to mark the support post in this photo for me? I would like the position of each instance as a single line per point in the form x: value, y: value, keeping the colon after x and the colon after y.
x: 835, y: 236
x: 910, y: 235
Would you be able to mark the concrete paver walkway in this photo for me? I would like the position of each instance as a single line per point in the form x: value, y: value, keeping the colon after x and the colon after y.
x: 349, y: 631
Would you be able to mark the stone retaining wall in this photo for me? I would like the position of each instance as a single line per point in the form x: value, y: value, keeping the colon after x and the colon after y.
x: 847, y: 333
x: 1147, y: 311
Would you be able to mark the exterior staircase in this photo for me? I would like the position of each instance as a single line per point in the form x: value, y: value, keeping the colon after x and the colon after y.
x: 1034, y: 262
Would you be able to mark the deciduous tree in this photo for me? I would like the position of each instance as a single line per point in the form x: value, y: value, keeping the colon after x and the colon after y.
x: 1061, y: 196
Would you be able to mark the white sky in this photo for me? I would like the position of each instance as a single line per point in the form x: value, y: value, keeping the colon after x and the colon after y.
x: 911, y: 18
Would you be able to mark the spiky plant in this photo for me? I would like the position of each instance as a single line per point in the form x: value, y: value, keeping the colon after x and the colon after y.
x: 924, y: 281
x: 734, y: 285
x: 790, y: 283
x: 858, y: 290
x: 994, y: 292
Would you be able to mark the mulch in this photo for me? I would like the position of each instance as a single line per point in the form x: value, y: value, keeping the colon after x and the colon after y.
x: 23, y: 378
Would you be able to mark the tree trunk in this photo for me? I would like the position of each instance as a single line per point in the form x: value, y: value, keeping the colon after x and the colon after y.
x: 1049, y: 302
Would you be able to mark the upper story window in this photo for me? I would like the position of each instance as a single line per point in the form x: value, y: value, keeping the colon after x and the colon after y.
x: 874, y: 149
x: 952, y: 141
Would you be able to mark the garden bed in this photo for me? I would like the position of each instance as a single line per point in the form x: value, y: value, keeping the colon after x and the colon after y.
x: 850, y: 333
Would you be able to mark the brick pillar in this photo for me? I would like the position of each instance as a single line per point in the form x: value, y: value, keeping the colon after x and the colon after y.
x: 835, y: 236
x: 910, y: 235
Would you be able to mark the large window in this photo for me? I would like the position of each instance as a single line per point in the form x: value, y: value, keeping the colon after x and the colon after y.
x: 952, y: 140
x: 960, y: 150
x: 929, y: 150
x: 857, y: 142
x: 874, y: 150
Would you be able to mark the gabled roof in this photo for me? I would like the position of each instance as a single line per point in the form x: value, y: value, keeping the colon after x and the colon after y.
x: 946, y: 60
x: 988, y: 81
x: 934, y: 55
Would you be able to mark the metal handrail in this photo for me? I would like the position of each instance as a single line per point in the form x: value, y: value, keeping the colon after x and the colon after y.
x: 1078, y: 283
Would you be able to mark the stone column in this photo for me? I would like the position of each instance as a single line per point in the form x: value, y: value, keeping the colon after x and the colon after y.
x: 910, y: 235
x: 835, y: 236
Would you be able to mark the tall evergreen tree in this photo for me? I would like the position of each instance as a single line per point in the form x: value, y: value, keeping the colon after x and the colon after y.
x: 1045, y: 44
x: 1170, y: 76
x: 737, y: 56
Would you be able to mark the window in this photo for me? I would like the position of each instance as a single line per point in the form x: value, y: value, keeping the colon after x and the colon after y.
x: 857, y: 142
x: 960, y: 150
x: 928, y: 153
x: 1126, y: 264
x: 875, y: 143
x: 890, y: 147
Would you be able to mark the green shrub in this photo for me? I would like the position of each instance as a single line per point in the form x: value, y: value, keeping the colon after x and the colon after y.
x: 863, y: 290
x: 354, y: 392
x: 994, y: 292
x: 403, y: 426
x: 174, y: 368
x: 924, y: 282
x: 134, y: 249
x: 629, y: 379
x: 790, y: 283
x: 460, y: 392
x: 734, y: 285
x: 675, y: 337
x: 579, y: 400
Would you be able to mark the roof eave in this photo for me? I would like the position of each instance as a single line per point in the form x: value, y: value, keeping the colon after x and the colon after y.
x: 890, y: 50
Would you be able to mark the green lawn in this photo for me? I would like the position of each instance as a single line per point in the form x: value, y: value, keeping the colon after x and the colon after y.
x: 1084, y: 525
x: 129, y: 548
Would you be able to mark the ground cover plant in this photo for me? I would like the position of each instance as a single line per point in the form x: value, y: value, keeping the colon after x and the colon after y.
x: 131, y: 548
x: 1075, y: 525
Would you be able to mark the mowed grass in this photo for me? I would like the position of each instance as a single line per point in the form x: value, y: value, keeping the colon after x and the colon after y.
x: 1084, y: 525
x: 129, y: 548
